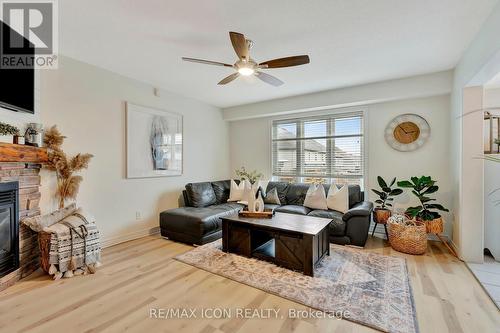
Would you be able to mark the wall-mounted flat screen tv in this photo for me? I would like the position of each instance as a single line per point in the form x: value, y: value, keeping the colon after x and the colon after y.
x: 17, y: 85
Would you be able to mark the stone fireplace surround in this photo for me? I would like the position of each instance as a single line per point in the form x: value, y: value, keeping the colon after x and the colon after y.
x: 23, y: 163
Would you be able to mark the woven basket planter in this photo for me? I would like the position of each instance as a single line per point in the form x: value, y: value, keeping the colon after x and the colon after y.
x: 435, y: 226
x: 411, y: 239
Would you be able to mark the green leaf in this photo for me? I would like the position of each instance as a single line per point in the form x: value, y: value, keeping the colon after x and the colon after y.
x: 424, y: 199
x: 431, y: 189
x: 392, y: 182
x: 386, y: 189
x: 427, y: 215
x: 379, y: 201
x: 413, y: 211
x: 415, y: 181
x: 396, y: 191
x: 405, y: 184
x: 377, y: 192
x: 437, y: 206
x: 389, y: 205
x: 381, y: 182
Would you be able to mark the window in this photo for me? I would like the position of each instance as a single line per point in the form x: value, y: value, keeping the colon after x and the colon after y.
x: 322, y: 149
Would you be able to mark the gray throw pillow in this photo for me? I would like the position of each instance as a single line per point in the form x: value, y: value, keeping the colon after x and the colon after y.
x: 272, y: 197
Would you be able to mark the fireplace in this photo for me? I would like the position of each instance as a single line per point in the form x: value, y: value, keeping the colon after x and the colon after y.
x: 9, y: 227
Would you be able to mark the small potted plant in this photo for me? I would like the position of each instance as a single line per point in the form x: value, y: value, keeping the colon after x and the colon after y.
x: 251, y: 176
x: 381, y: 213
x: 7, y: 132
x: 427, y: 211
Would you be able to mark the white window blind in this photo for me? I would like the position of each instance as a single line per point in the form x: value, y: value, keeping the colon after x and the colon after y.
x: 321, y: 148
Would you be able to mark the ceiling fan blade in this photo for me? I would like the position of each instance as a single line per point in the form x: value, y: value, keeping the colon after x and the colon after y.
x: 239, y: 44
x: 286, y: 62
x: 206, y: 62
x: 229, y: 78
x: 274, y: 81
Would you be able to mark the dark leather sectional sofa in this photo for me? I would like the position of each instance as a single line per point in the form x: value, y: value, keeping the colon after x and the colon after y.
x: 198, y: 222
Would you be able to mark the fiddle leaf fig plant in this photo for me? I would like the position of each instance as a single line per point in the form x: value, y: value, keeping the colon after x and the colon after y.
x: 422, y: 187
x: 387, y: 193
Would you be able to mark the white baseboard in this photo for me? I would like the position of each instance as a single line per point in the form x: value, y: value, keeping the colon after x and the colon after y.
x: 110, y: 241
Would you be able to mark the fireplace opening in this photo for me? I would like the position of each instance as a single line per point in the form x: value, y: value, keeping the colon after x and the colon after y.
x: 9, y: 227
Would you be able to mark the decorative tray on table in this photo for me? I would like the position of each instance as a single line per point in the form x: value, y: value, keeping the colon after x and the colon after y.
x: 267, y: 214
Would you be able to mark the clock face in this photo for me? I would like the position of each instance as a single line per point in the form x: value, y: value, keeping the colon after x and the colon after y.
x: 407, y: 132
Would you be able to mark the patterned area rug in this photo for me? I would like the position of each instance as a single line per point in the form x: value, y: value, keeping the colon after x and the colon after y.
x: 374, y: 288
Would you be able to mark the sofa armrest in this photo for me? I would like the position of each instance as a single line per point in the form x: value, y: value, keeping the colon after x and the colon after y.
x: 357, y: 221
x: 363, y: 208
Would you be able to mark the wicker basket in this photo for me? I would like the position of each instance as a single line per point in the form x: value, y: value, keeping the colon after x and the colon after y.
x: 411, y: 239
x: 44, y: 245
x: 435, y: 226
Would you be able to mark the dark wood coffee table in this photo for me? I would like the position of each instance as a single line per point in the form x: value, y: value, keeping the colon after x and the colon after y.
x: 296, y: 242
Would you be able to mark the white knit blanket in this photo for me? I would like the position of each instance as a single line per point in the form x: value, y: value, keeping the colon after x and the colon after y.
x: 65, y: 245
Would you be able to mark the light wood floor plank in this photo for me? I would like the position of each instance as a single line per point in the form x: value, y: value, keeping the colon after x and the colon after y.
x: 142, y: 274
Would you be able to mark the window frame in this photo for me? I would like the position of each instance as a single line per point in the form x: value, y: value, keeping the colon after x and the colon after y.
x: 334, y: 113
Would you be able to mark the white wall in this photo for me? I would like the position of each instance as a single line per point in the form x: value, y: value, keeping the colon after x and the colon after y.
x: 433, y: 84
x: 88, y: 105
x: 476, y: 67
x: 251, y: 145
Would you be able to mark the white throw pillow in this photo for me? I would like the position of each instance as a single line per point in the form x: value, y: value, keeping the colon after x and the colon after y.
x: 247, y: 191
x: 338, y: 199
x: 316, y: 197
x: 263, y: 185
x: 236, y: 191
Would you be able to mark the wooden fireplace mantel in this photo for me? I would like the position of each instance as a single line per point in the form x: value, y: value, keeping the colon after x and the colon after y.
x: 22, y: 153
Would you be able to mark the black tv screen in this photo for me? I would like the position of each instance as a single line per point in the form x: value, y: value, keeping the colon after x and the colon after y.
x: 17, y: 85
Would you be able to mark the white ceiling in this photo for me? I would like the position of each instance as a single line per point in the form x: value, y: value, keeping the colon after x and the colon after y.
x: 349, y: 42
x: 494, y: 82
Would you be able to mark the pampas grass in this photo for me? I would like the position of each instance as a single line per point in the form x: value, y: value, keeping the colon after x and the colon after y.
x: 68, y: 184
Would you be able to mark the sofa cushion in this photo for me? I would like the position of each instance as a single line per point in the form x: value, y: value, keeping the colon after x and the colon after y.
x: 197, y: 221
x: 354, y: 195
x: 337, y: 226
x: 270, y: 206
x: 296, y: 194
x: 281, y: 187
x: 294, y: 209
x: 201, y: 194
x: 221, y: 190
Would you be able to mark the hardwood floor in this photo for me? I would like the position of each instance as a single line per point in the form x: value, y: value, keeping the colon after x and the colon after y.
x: 141, y: 274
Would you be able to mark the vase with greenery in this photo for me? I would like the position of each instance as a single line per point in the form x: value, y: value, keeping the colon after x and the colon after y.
x: 64, y: 166
x: 428, y: 210
x: 386, y: 195
x: 251, y: 176
x: 8, y: 132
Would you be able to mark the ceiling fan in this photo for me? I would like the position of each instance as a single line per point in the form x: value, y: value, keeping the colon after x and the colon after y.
x: 246, y: 66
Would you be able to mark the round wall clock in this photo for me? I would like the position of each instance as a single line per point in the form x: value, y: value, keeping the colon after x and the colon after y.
x: 407, y: 132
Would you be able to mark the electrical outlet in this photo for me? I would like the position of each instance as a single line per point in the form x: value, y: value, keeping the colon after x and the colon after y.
x: 138, y: 215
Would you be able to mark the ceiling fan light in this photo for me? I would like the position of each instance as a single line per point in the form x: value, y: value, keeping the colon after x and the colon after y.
x: 246, y: 71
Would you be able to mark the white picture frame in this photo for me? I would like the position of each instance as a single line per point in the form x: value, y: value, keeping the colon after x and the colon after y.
x: 154, y: 142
